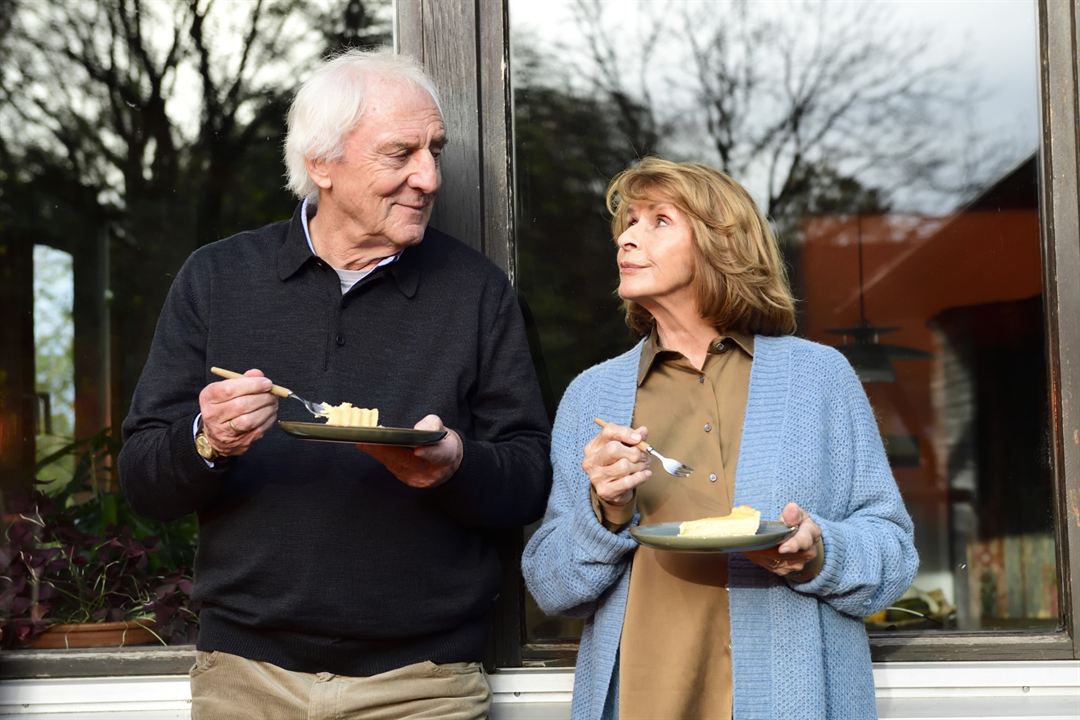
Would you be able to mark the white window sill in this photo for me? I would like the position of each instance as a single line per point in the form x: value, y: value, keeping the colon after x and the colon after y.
x: 905, y: 691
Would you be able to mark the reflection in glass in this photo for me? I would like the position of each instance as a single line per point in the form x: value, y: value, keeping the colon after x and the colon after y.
x: 894, y: 146
x: 54, y: 357
x: 131, y: 133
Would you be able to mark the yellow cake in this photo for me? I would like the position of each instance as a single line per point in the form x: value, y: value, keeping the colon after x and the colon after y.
x: 348, y: 416
x: 743, y: 520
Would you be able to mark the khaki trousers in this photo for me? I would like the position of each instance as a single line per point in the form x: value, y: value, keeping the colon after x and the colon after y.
x: 229, y: 687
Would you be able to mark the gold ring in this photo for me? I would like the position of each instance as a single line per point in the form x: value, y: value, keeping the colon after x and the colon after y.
x: 232, y: 427
x: 777, y: 562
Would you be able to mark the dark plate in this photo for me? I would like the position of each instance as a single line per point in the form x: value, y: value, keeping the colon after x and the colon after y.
x: 665, y: 536
x: 405, y: 437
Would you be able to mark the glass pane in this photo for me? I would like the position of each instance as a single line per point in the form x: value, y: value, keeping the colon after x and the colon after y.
x: 894, y: 146
x: 130, y: 134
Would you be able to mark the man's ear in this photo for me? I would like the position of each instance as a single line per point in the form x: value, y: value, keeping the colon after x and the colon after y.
x: 317, y: 170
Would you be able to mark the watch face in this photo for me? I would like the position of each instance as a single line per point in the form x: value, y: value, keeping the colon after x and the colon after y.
x: 204, y: 448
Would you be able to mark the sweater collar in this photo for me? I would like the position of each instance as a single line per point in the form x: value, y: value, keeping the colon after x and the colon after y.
x: 295, y: 253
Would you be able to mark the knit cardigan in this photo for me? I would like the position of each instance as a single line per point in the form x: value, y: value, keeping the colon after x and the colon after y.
x: 799, y: 650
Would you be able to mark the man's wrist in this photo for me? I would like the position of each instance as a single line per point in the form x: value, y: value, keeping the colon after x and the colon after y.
x: 205, y: 448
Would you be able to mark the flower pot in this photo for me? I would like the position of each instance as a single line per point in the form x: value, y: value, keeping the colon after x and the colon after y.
x: 84, y: 635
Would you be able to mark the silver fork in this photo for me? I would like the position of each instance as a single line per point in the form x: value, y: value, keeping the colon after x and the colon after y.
x: 671, y: 466
x: 316, y: 409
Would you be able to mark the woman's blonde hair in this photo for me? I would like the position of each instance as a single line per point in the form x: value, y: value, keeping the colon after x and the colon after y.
x: 740, y: 280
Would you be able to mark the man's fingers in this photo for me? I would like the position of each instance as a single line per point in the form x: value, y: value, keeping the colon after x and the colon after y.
x: 429, y: 422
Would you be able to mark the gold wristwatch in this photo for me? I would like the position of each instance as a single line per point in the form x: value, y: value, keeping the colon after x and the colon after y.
x: 206, y: 451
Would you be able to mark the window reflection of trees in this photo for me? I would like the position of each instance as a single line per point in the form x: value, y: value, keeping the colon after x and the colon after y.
x: 835, y: 115
x: 131, y: 132
x: 820, y: 108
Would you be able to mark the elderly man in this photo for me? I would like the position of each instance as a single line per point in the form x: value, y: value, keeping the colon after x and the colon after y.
x: 337, y: 581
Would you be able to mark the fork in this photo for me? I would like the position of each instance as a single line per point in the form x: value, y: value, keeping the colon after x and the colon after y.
x: 673, y: 467
x: 316, y: 409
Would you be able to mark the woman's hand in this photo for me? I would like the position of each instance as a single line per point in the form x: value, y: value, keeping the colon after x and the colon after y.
x: 800, y: 554
x: 614, y: 466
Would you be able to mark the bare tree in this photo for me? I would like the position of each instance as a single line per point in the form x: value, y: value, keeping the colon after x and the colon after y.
x: 798, y: 99
x: 155, y: 125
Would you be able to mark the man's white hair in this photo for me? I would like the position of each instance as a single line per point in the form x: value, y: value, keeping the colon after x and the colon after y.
x: 329, y: 104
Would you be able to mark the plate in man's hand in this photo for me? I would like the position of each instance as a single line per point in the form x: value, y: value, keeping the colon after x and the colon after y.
x: 405, y: 437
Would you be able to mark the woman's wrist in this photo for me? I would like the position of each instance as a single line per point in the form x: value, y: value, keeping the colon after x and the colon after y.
x: 612, y: 516
x: 812, y: 568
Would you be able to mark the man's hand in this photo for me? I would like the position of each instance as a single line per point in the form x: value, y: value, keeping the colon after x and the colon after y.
x: 425, y: 466
x: 237, y: 412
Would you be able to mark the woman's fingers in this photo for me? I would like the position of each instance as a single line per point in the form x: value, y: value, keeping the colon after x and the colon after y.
x: 782, y: 564
x: 805, y: 537
x: 614, y: 465
x: 620, y: 490
x: 798, y: 551
x: 623, y: 434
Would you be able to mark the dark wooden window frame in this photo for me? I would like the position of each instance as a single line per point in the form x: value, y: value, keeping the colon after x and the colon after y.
x: 464, y: 44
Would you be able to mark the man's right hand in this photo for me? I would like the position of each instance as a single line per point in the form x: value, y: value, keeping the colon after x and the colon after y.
x: 237, y: 412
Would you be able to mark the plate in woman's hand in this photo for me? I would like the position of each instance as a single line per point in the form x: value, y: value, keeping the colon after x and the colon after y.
x: 665, y: 536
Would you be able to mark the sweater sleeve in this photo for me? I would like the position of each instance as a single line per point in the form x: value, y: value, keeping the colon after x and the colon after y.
x: 160, y: 470
x: 571, y: 559
x: 505, y: 475
x: 870, y: 555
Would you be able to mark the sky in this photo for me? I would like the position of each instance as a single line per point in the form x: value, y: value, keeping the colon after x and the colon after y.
x: 989, y: 48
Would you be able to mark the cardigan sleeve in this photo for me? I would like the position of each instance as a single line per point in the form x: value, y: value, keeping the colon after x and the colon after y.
x: 571, y: 559
x: 162, y: 475
x: 870, y: 555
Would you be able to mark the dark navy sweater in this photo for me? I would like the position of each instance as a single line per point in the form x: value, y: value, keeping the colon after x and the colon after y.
x: 312, y: 556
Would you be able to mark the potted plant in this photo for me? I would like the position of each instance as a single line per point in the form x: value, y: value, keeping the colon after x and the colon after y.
x: 78, y: 567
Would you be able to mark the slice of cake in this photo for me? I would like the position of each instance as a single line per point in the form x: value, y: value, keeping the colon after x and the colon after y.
x: 348, y: 416
x: 743, y: 520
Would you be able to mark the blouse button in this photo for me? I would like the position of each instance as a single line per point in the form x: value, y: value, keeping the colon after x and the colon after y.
x: 701, y: 379
x: 708, y: 427
x: 712, y: 477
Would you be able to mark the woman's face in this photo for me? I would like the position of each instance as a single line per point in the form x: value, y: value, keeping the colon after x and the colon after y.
x: 656, y: 256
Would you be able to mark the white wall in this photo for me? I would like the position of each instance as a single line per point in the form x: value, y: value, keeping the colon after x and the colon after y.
x: 905, y: 691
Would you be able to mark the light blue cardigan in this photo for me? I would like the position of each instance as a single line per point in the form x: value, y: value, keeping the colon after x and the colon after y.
x: 809, y: 436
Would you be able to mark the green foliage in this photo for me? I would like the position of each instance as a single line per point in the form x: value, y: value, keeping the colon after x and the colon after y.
x: 80, y: 554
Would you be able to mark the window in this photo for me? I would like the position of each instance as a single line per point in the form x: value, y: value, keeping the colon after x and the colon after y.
x: 65, y: 185
x: 130, y: 134
x: 896, y: 148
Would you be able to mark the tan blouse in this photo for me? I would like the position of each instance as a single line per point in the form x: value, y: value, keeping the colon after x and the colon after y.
x: 675, y: 654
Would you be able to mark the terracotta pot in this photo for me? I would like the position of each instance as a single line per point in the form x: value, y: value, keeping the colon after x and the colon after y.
x: 84, y: 635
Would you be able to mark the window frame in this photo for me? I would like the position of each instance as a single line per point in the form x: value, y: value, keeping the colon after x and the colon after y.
x: 465, y: 46
x: 457, y: 34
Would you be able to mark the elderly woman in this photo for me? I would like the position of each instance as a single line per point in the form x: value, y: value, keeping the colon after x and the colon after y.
x: 766, y: 420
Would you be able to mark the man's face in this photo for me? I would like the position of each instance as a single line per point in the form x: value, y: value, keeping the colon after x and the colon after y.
x: 384, y: 186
